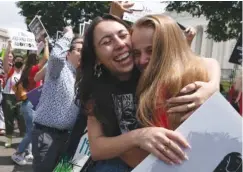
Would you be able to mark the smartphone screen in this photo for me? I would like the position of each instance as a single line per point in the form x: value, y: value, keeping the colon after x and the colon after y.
x: 181, y: 26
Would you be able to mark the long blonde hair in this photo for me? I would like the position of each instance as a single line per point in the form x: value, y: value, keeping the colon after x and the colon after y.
x: 172, y: 66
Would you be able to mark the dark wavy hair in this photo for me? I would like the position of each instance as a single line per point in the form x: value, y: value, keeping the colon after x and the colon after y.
x: 32, y: 60
x: 74, y: 42
x: 89, y: 87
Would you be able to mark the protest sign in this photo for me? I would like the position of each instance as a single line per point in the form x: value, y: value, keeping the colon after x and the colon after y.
x: 22, y: 39
x: 82, y: 153
x: 214, y: 132
x: 142, y: 8
x: 236, y: 56
x: 76, y: 158
x: 38, y: 29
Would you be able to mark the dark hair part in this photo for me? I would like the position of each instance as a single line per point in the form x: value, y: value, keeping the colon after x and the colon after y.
x: 30, y: 61
x: 17, y: 56
x: 73, y: 43
x: 88, y: 87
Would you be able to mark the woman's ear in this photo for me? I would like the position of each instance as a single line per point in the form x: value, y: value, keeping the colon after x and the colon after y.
x: 68, y: 54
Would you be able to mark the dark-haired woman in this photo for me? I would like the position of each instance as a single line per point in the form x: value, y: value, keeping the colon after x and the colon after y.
x: 24, y: 85
x: 106, y: 90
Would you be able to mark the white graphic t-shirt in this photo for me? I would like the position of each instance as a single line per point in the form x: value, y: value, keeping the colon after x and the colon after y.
x: 125, y: 109
x: 11, y: 82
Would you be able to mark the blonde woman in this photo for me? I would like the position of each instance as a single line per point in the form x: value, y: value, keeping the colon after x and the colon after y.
x: 171, y: 66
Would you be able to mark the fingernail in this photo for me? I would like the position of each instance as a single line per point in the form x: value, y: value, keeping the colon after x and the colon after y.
x: 171, y: 163
x: 179, y: 161
x: 189, y: 146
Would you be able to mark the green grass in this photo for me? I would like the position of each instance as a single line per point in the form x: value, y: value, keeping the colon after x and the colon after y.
x: 64, y: 166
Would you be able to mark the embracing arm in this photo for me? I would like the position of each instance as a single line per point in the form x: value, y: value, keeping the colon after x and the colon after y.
x: 201, y: 90
x: 214, y: 72
x: 103, y: 147
x: 151, y: 139
x: 134, y: 156
x: 59, y: 52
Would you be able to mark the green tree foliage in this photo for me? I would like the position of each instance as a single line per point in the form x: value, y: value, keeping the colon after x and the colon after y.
x: 55, y: 15
x: 224, y: 16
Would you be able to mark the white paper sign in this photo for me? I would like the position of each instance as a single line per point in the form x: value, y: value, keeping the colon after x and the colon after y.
x: 82, y: 153
x: 214, y: 132
x: 22, y: 39
x: 140, y: 9
x: 37, y: 27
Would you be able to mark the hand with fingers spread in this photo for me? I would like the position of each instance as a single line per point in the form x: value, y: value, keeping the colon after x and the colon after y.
x: 119, y: 7
x: 194, y: 95
x: 163, y: 144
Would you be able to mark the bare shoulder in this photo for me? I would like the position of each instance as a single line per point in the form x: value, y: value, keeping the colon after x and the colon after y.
x: 210, y: 62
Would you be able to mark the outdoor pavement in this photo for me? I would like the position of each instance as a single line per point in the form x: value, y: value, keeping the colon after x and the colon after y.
x: 6, y: 164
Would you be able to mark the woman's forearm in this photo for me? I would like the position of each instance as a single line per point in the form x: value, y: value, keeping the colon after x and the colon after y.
x: 214, y: 72
x: 134, y: 156
x: 6, y: 59
x: 103, y: 147
x: 110, y: 147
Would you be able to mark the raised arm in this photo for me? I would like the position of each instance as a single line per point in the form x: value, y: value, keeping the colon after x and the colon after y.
x: 59, y: 52
x: 118, y: 8
x: 45, y: 56
x: 6, y: 66
x: 40, y: 75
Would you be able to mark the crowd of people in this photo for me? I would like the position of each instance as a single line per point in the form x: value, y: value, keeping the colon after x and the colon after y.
x: 134, y: 84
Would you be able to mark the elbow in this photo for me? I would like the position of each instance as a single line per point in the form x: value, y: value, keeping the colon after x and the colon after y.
x: 36, y: 79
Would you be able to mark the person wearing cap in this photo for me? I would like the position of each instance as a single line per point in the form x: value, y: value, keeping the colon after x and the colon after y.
x: 9, y: 104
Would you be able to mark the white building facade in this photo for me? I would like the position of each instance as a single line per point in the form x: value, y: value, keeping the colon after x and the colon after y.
x: 3, y: 39
x: 201, y: 45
